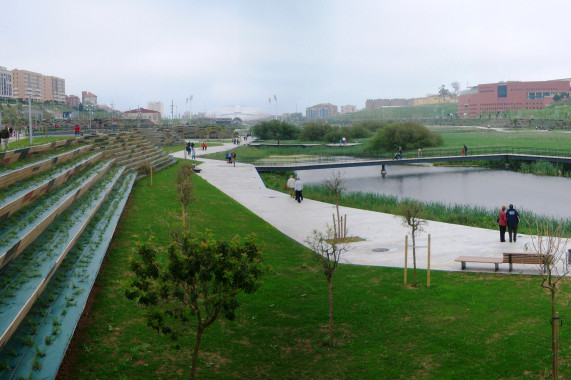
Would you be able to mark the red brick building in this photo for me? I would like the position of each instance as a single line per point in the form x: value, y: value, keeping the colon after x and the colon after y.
x: 494, y: 98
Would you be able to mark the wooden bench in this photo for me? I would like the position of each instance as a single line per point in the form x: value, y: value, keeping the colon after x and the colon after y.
x: 480, y: 259
x: 523, y: 258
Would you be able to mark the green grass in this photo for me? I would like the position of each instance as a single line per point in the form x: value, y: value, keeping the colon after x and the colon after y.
x: 468, y: 326
x: 25, y: 141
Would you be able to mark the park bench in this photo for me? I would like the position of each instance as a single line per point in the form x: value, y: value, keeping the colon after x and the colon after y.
x: 480, y: 259
x: 523, y: 258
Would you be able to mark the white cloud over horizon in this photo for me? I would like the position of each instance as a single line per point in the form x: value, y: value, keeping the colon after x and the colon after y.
x: 306, y: 52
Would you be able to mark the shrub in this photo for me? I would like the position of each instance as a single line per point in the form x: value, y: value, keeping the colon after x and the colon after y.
x: 408, y: 135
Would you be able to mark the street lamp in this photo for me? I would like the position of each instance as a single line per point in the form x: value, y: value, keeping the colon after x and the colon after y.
x: 30, y: 111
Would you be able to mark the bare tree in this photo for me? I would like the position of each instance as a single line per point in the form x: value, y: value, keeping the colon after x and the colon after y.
x: 185, y: 190
x: 412, y: 214
x: 336, y: 185
x: 328, y: 251
x: 549, y: 244
x: 456, y: 87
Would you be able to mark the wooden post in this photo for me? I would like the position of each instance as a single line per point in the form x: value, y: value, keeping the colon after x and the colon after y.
x: 151, y: 173
x: 405, y: 255
x: 555, y: 322
x: 428, y: 271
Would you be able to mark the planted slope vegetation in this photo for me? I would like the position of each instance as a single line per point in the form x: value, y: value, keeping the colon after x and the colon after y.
x: 471, y: 326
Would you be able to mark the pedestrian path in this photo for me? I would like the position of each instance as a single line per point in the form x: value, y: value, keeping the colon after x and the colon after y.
x: 382, y: 234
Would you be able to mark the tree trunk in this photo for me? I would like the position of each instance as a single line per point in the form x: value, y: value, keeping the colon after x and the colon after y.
x: 554, y: 335
x: 199, y: 332
x: 415, y: 282
x: 330, y: 281
x: 183, y: 218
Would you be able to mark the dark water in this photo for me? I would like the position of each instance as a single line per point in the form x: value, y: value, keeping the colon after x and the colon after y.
x: 491, y: 189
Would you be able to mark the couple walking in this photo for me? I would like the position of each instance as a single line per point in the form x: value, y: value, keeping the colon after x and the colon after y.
x: 509, y: 219
x: 295, y: 185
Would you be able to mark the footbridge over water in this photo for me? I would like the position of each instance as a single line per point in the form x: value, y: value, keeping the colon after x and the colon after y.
x: 328, y: 162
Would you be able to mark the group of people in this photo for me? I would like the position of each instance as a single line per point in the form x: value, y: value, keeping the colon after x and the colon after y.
x: 231, y: 158
x: 295, y: 187
x: 190, y: 150
x: 508, y: 219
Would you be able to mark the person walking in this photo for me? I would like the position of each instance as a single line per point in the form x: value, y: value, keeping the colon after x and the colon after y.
x: 419, y: 153
x: 502, y: 222
x: 77, y: 130
x: 193, y: 153
x: 298, y: 190
x: 512, y: 222
x: 400, y: 152
x: 291, y: 186
x: 465, y: 150
x: 187, y: 150
x: 233, y: 154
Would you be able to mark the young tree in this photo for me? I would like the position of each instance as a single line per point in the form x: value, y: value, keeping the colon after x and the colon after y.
x: 336, y: 184
x: 185, y: 189
x: 197, y: 279
x: 412, y: 214
x: 328, y: 251
x: 548, y: 243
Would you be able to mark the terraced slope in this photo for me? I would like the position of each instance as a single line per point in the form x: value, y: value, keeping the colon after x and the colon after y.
x: 59, y: 207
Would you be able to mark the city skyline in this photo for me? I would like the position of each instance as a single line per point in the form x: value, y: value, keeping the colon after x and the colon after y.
x: 253, y: 53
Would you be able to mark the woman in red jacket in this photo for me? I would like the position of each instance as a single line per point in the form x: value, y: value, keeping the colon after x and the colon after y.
x: 503, y: 221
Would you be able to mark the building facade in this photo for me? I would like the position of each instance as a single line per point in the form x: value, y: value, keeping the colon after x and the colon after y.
x: 494, y: 98
x: 321, y: 111
x: 143, y: 113
x: 5, y: 83
x: 348, y: 109
x: 434, y: 99
x: 156, y: 106
x: 54, y: 89
x: 72, y: 101
x: 88, y: 98
x: 27, y: 83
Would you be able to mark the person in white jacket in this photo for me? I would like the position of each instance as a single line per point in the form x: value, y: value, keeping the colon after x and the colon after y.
x: 298, y: 190
x: 290, y: 184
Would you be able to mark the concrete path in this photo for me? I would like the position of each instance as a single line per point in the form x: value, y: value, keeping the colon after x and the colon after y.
x: 379, y: 230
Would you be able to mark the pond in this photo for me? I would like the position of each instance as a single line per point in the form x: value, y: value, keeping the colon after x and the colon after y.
x: 487, y: 188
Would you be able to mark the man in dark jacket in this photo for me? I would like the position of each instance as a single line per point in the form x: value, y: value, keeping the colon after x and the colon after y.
x: 513, y: 220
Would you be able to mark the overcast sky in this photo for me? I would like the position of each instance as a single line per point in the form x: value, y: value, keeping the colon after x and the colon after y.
x: 242, y: 52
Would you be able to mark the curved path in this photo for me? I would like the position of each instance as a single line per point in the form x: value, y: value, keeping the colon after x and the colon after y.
x: 379, y: 230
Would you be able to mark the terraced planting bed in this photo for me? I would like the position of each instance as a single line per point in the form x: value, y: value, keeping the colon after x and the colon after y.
x: 58, y: 211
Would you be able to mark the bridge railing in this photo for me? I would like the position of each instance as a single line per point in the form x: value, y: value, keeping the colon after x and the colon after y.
x: 317, y: 158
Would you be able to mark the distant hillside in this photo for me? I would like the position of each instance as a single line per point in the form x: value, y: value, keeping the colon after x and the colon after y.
x: 405, y: 112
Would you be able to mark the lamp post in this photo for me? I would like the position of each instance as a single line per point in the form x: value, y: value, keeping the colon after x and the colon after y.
x: 276, y: 99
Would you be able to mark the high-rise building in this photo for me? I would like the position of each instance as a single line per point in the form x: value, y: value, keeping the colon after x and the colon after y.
x: 40, y: 88
x: 5, y: 83
x: 27, y: 83
x: 54, y: 89
x: 494, y: 98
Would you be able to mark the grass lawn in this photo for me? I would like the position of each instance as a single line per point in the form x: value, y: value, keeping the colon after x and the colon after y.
x: 465, y: 326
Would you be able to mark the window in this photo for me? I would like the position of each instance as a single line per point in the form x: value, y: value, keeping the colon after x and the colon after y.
x: 502, y: 91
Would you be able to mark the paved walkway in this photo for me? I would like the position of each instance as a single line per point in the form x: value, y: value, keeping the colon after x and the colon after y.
x: 379, y: 230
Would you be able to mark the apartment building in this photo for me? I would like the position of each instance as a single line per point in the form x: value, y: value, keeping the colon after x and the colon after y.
x: 27, y: 83
x: 54, y: 89
x: 72, y: 101
x: 88, y: 98
x: 321, y: 111
x: 5, y: 83
x: 494, y: 98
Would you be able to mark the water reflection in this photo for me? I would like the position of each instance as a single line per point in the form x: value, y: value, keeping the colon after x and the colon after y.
x: 470, y: 186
